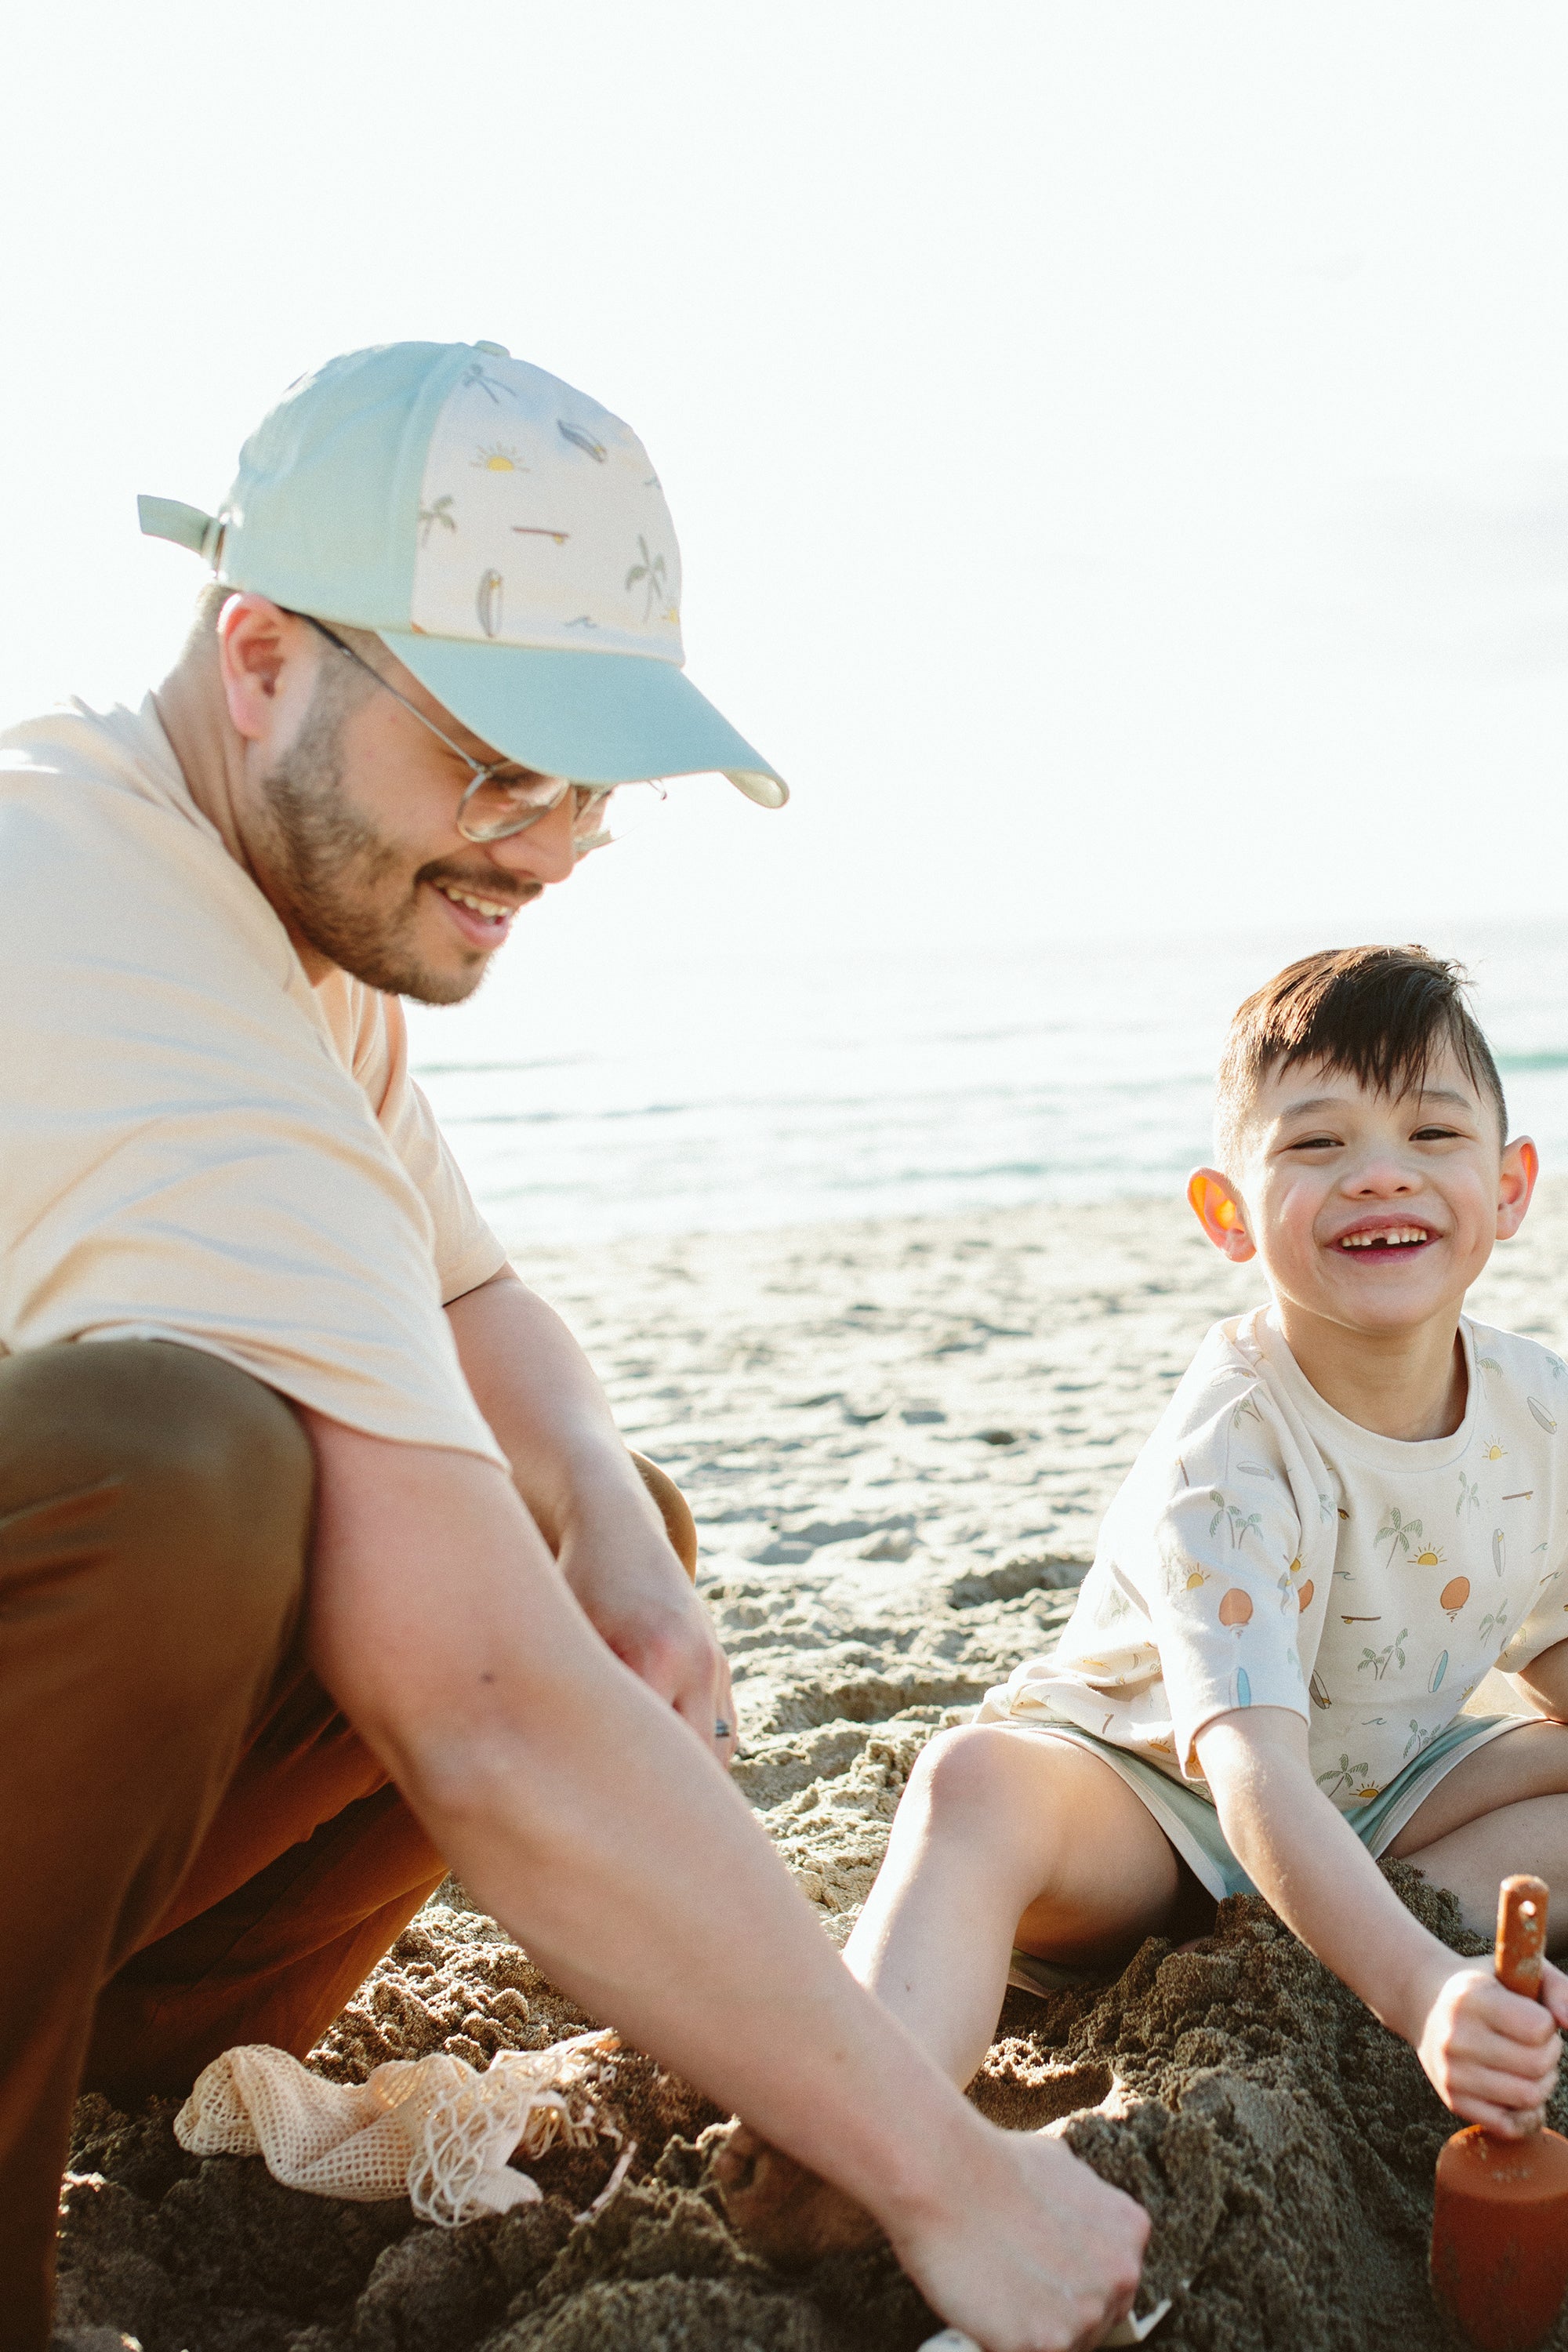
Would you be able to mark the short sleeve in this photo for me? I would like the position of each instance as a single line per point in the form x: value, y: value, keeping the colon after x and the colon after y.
x: 182, y: 1154
x: 1543, y: 1624
x: 1228, y: 1582
x: 465, y: 1251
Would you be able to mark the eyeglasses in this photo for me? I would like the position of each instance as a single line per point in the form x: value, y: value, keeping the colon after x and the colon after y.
x: 495, y: 805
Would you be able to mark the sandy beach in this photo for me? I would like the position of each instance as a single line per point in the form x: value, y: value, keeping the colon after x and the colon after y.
x: 897, y: 1438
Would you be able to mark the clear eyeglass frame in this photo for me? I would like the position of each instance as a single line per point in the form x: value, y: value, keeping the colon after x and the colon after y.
x: 513, y: 805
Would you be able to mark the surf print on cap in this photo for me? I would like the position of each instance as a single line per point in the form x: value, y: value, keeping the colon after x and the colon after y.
x: 541, y: 522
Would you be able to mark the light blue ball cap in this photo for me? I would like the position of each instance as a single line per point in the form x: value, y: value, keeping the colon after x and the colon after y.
x: 504, y: 535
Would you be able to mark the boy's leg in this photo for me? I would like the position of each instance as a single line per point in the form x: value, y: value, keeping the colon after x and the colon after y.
x: 1004, y: 1837
x: 154, y: 1514
x: 1501, y: 1809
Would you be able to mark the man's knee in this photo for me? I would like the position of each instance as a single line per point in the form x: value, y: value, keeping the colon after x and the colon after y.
x: 191, y: 1475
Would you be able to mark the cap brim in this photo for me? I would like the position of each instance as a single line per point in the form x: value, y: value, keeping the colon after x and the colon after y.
x: 600, y: 719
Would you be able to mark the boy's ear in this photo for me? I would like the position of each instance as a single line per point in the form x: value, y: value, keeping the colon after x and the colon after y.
x: 1219, y: 1207
x: 1520, y: 1167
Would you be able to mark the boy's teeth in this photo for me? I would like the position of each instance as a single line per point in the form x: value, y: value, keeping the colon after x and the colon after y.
x: 1394, y: 1236
x: 493, y: 908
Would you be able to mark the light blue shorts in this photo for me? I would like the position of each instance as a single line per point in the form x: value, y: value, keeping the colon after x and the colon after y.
x: 1192, y: 1824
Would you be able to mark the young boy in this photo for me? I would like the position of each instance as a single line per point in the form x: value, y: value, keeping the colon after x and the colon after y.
x: 1355, y: 1504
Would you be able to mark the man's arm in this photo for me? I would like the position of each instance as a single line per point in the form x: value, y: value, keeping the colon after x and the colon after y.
x: 578, y: 1810
x: 1490, y: 2056
x: 569, y: 1464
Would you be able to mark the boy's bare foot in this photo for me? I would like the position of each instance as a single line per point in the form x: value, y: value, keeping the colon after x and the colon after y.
x: 781, y: 2211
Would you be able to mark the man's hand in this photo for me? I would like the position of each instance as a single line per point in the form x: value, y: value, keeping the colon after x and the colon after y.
x: 570, y: 1465
x: 1490, y: 2054
x: 1037, y: 2251
x: 637, y: 1597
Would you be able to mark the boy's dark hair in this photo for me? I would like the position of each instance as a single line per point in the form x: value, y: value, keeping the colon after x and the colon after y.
x: 1378, y: 1014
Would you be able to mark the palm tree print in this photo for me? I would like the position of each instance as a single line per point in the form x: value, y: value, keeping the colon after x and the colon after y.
x: 1469, y: 1497
x: 490, y: 385
x: 1397, y: 1532
x: 1349, y: 1776
x: 1378, y: 1659
x: 651, y: 572
x: 1419, y: 1740
x: 440, y: 512
x: 1242, y: 1523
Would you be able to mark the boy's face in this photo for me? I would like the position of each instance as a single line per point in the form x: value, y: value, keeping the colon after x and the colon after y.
x: 1372, y: 1212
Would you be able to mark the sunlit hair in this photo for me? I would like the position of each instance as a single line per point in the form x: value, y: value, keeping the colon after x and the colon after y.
x: 1378, y: 1015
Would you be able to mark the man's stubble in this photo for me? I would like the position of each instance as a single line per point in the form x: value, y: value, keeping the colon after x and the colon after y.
x: 338, y: 875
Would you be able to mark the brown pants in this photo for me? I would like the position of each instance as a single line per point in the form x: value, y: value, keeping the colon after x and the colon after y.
x: 197, y: 1848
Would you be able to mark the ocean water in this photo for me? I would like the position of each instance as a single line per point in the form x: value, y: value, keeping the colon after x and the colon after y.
x: 690, y: 1097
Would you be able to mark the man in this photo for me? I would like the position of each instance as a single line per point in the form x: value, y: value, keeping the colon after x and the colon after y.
x: 322, y: 1565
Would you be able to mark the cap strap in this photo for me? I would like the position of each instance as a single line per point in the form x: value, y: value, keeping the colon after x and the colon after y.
x: 186, y: 525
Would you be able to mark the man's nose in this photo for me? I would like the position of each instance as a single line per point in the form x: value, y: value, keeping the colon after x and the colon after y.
x: 546, y: 852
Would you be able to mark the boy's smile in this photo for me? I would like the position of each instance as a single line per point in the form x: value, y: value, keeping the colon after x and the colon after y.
x: 1381, y: 1237
x: 1371, y: 1214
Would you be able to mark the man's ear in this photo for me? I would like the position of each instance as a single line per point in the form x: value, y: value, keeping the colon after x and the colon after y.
x: 1520, y: 1167
x: 1219, y: 1209
x: 257, y: 642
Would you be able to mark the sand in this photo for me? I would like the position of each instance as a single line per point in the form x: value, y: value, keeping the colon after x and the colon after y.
x: 896, y: 1439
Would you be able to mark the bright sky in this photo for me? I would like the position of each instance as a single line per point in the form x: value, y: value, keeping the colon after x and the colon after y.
x: 1120, y: 451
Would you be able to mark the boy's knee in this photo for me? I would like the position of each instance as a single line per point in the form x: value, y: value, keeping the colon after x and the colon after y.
x: 963, y: 1768
x: 194, y: 1477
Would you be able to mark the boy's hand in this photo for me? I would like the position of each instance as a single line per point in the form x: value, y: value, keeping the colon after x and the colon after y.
x: 1490, y: 2055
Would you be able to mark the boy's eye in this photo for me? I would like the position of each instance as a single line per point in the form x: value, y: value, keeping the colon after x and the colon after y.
x: 1315, y: 1143
x: 1434, y: 1135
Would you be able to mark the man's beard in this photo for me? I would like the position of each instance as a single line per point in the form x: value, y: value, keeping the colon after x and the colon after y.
x: 338, y: 872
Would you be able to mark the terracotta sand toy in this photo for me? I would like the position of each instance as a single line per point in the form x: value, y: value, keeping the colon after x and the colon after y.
x: 1499, y: 2219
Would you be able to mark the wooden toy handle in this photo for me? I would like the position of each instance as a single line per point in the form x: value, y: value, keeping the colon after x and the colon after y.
x: 1522, y: 1934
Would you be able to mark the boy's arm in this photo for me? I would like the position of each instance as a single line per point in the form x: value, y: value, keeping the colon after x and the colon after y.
x: 1546, y: 1680
x: 1490, y: 2056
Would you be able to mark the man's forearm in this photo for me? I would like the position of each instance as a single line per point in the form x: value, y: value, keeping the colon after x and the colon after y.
x: 544, y: 1401
x: 570, y: 1465
x: 1302, y: 1854
x: 580, y: 1812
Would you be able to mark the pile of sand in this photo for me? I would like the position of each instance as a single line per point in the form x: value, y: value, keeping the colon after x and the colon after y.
x: 898, y: 1439
x: 1282, y: 2141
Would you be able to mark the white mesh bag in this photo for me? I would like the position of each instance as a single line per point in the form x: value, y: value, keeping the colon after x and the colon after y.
x: 431, y: 2129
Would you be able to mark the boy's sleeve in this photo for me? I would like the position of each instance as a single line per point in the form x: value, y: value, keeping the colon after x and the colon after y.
x: 1228, y: 1582
x: 1543, y: 1624
x: 1534, y: 1383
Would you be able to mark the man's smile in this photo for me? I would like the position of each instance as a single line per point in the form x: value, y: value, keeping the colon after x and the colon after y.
x: 483, y: 920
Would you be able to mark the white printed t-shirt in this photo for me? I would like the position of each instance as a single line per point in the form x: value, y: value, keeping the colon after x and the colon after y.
x: 1264, y: 1551
x: 195, y: 1144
